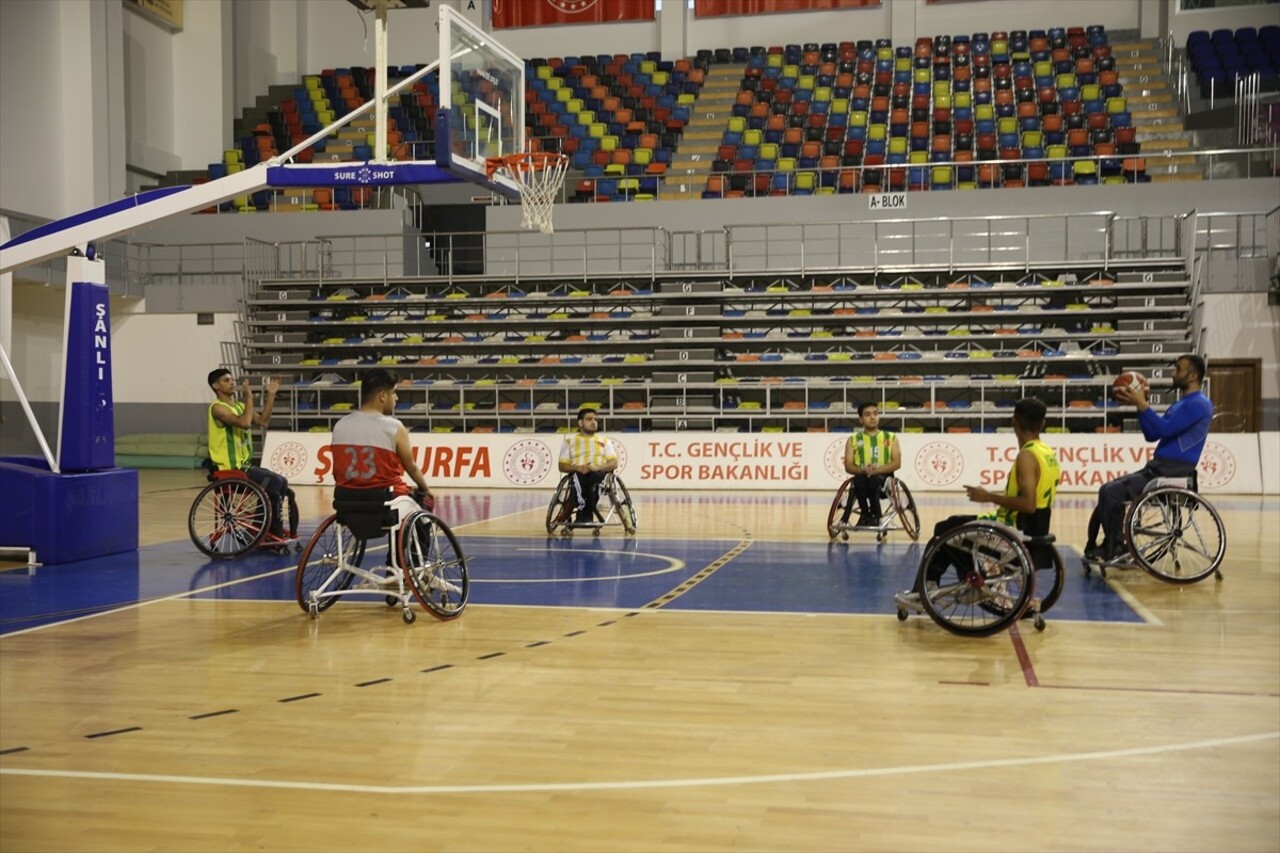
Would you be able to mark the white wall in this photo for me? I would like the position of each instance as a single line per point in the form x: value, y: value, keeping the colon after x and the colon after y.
x: 61, y: 136
x: 29, y: 45
x: 1243, y: 325
x: 1230, y: 17
x: 148, y: 94
x: 138, y: 337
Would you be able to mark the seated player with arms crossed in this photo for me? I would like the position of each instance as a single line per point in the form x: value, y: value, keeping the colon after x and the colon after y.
x: 1181, y: 434
x: 371, y: 449
x: 588, y: 456
x: 1027, y: 502
x: 231, y: 442
x: 870, y: 455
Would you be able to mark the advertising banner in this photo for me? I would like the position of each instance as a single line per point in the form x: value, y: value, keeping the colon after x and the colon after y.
x: 769, y: 461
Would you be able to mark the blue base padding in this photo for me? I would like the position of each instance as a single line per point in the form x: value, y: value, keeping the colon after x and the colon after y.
x: 67, y: 517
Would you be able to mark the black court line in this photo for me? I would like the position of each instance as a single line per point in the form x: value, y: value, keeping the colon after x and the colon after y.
x: 214, y: 714
x: 383, y: 680
x: 114, y: 732
x: 299, y: 698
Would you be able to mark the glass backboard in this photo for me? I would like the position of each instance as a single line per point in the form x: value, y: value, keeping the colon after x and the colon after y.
x: 481, y: 102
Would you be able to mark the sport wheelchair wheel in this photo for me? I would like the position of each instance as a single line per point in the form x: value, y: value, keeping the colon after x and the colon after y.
x: 835, y: 515
x: 622, y: 505
x: 905, y: 506
x: 988, y: 582
x: 229, y: 517
x: 560, y: 510
x: 320, y: 560
x: 1176, y: 535
x: 1050, y: 579
x: 434, y: 565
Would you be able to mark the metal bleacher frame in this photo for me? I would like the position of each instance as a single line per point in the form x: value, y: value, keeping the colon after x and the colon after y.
x: 944, y: 322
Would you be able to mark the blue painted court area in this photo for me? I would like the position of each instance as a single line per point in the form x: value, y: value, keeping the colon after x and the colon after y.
x: 582, y: 571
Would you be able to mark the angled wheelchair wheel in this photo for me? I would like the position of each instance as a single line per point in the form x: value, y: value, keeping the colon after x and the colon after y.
x: 560, y: 510
x: 1050, y: 579
x: 621, y: 500
x: 229, y: 517
x: 835, y: 515
x: 318, y: 567
x: 905, y: 506
x: 988, y: 582
x: 434, y: 565
x: 1176, y: 535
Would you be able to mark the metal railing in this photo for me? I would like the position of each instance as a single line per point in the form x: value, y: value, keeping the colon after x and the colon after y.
x: 954, y: 243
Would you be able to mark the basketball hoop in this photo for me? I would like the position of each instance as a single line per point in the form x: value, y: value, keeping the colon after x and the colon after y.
x: 540, y: 175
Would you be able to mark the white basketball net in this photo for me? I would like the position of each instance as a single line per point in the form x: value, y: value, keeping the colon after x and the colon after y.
x: 540, y: 177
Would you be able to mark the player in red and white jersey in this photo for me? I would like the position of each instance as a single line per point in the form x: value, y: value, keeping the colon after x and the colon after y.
x: 371, y: 448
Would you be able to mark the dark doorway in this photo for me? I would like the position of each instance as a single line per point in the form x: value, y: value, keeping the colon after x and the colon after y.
x: 1235, y: 386
x: 455, y: 233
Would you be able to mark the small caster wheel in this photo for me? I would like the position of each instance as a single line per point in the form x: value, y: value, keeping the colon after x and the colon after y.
x: 845, y: 536
x: 1102, y: 571
x: 902, y: 615
x: 1217, y: 575
x: 409, y: 616
x: 880, y: 537
x: 392, y: 600
x: 1088, y: 570
x: 1039, y: 622
x: 297, y: 547
x: 595, y: 532
x: 313, y: 610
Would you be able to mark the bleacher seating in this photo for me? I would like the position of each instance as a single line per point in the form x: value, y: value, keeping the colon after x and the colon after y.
x: 1220, y: 58
x: 619, y: 118
x: 866, y: 116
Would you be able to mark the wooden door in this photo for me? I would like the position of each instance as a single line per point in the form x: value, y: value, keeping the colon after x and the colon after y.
x: 1235, y: 386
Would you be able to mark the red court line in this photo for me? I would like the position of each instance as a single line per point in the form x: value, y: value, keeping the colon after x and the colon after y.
x: 1024, y: 659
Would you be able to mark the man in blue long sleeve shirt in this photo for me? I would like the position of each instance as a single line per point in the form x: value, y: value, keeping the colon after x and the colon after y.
x: 1181, y: 433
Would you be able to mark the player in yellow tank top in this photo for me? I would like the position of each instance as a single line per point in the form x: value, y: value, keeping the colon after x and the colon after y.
x: 231, y: 443
x: 870, y: 455
x: 1026, y: 503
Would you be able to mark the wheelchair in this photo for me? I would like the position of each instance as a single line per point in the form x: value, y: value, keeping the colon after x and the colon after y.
x: 613, y: 496
x: 1170, y: 532
x: 995, y: 584
x: 424, y: 560
x: 233, y: 515
x: 897, y: 511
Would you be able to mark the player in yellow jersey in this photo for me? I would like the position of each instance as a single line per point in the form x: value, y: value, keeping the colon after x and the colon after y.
x: 1027, y: 501
x: 588, y: 456
x: 231, y: 443
x: 870, y: 455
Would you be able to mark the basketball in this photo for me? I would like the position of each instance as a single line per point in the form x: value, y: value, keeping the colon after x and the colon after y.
x: 1131, y: 380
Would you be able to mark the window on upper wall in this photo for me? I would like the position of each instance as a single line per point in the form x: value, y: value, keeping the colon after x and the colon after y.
x: 1193, y: 5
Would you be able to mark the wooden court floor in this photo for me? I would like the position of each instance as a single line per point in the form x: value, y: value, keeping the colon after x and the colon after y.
x: 196, y: 721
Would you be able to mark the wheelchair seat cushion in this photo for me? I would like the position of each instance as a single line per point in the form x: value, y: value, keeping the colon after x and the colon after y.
x: 364, y: 511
